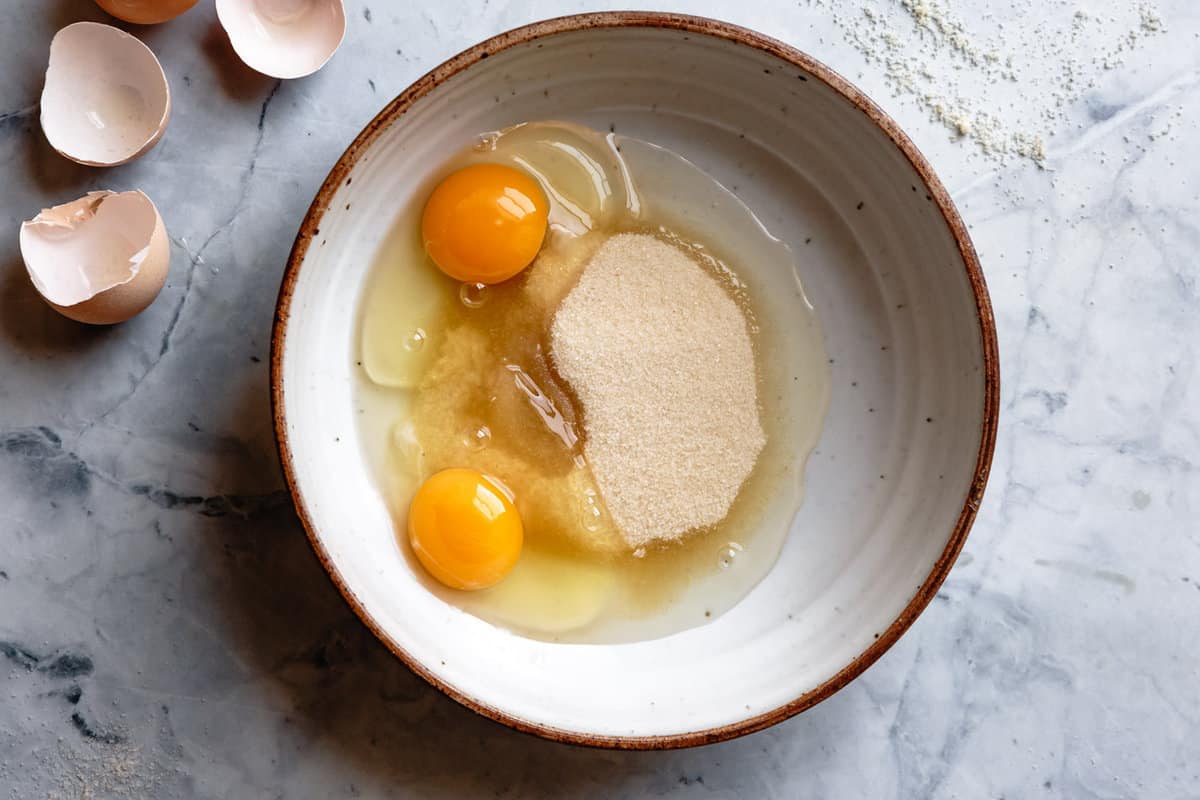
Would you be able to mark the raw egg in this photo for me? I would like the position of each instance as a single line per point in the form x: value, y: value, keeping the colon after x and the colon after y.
x: 464, y: 529
x: 455, y: 375
x: 485, y: 223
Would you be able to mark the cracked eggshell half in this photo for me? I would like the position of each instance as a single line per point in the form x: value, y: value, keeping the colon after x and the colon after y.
x: 100, y: 259
x: 284, y: 38
x: 145, y: 12
x: 106, y: 99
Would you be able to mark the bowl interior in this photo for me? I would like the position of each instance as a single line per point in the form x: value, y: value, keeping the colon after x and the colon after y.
x: 889, y: 486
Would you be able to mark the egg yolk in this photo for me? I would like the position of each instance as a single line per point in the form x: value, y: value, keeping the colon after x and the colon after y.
x: 485, y: 223
x: 464, y: 529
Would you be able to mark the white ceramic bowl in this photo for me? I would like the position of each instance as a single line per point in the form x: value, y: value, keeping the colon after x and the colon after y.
x: 901, y: 466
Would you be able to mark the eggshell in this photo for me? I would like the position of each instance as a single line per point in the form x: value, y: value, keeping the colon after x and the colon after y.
x: 106, y: 99
x: 284, y: 38
x: 145, y: 12
x: 100, y: 259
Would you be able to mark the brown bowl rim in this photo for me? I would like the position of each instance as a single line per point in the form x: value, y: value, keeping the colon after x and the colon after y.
x: 729, y: 32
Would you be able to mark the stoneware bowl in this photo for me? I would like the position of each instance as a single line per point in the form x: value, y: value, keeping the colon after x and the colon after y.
x: 903, y: 459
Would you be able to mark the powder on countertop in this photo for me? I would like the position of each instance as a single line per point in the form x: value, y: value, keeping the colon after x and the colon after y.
x: 1005, y: 77
x: 661, y: 359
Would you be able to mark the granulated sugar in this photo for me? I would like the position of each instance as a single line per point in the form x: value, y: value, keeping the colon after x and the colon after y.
x: 1005, y: 78
x: 661, y: 359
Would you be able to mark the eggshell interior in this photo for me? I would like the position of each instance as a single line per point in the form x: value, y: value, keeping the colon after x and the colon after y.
x: 106, y: 99
x: 284, y: 38
x: 100, y: 259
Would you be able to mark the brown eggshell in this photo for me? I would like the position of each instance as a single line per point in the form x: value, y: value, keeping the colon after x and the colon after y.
x: 105, y: 100
x: 100, y: 259
x: 145, y: 12
x: 284, y: 38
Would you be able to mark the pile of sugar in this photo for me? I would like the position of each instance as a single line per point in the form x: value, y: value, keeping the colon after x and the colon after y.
x: 661, y: 360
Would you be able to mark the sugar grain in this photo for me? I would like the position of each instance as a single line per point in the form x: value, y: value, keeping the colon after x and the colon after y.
x: 661, y: 359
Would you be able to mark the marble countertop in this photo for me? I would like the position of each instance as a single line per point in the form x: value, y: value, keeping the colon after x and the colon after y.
x: 165, y: 630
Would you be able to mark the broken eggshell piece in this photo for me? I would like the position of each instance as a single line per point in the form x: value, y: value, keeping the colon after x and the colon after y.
x: 100, y: 259
x: 106, y: 100
x: 145, y: 12
x: 284, y: 38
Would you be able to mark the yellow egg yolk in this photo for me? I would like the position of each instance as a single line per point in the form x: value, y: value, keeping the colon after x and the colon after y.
x: 485, y: 223
x: 464, y: 529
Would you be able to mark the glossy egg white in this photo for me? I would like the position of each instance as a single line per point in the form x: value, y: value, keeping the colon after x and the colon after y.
x: 598, y: 183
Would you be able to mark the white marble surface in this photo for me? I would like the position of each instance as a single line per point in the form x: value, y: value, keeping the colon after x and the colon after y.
x: 166, y: 632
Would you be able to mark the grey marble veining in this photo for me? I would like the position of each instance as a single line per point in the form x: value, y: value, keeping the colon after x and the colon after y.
x: 166, y: 632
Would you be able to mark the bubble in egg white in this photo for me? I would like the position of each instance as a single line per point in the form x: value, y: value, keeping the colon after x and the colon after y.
x: 415, y: 340
x: 478, y: 437
x: 472, y: 295
x: 728, y: 554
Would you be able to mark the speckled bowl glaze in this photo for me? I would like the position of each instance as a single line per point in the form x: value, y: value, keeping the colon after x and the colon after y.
x: 900, y: 470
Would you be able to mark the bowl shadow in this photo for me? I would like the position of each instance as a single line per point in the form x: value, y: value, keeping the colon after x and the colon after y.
x: 343, y: 687
x: 286, y: 620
